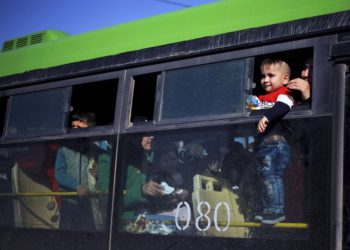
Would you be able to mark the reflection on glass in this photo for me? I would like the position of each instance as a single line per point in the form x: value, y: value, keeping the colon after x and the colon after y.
x: 56, y: 185
x: 206, y: 182
x: 41, y: 112
x: 211, y: 89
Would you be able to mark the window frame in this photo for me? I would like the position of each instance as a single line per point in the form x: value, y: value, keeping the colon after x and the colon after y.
x: 67, y: 83
x: 248, y: 66
x: 319, y: 46
x: 9, y: 137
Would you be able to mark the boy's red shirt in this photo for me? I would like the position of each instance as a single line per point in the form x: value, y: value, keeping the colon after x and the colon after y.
x: 272, y: 97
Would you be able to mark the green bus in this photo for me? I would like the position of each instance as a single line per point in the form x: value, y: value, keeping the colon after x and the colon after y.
x: 145, y: 135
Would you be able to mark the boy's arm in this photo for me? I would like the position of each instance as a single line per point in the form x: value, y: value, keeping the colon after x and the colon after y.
x: 282, y: 107
x: 278, y: 110
x: 262, y: 124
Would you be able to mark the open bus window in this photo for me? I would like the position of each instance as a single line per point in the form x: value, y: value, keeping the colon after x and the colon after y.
x: 39, y: 184
x: 205, y: 90
x: 42, y: 112
x: 298, y: 61
x: 219, y: 192
x: 98, y: 98
x: 144, y: 98
x: 3, y: 107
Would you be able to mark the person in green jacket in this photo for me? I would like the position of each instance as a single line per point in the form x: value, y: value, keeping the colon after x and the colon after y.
x: 139, y: 189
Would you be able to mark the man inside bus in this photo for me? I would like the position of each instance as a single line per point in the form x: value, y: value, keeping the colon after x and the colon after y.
x: 71, y: 172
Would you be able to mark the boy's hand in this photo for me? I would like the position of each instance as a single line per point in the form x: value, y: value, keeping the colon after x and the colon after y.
x: 262, y: 124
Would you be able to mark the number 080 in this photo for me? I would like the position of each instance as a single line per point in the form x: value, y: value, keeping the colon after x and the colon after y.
x: 203, y: 205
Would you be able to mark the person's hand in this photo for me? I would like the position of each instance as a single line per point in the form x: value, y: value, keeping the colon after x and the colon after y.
x: 262, y: 125
x: 300, y: 85
x: 214, y: 166
x: 152, y: 188
x: 196, y: 151
x: 82, y: 191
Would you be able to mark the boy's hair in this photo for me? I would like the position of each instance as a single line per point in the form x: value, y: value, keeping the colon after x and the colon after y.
x: 273, y: 61
x: 88, y: 116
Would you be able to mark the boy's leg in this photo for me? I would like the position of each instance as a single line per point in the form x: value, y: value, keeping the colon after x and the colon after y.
x: 274, y: 158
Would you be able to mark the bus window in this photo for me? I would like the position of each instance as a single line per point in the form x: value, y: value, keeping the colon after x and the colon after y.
x: 98, y: 98
x: 3, y: 107
x: 40, y: 182
x: 144, y: 97
x: 206, y: 182
x: 205, y: 90
x: 42, y: 112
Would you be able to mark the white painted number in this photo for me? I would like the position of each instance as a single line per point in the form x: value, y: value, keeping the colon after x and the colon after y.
x: 201, y: 215
x: 188, y: 215
x: 216, y: 216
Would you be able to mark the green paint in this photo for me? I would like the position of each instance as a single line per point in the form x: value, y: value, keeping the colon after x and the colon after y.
x: 200, y: 21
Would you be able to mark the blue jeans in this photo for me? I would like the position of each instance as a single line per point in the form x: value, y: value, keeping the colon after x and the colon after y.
x: 272, y: 161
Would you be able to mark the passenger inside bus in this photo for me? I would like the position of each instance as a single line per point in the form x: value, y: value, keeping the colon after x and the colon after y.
x: 71, y: 173
x: 167, y: 174
x: 142, y: 180
x: 137, y: 186
x: 303, y: 84
x: 155, y: 181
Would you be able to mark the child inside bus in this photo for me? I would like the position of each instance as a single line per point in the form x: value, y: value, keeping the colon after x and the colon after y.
x: 273, y: 151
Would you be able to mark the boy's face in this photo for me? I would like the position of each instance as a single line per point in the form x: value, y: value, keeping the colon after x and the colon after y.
x: 80, y: 123
x: 273, y: 77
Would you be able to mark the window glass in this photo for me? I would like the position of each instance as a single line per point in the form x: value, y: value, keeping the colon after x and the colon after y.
x: 56, y: 185
x: 210, y: 182
x: 42, y: 112
x: 212, y: 89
